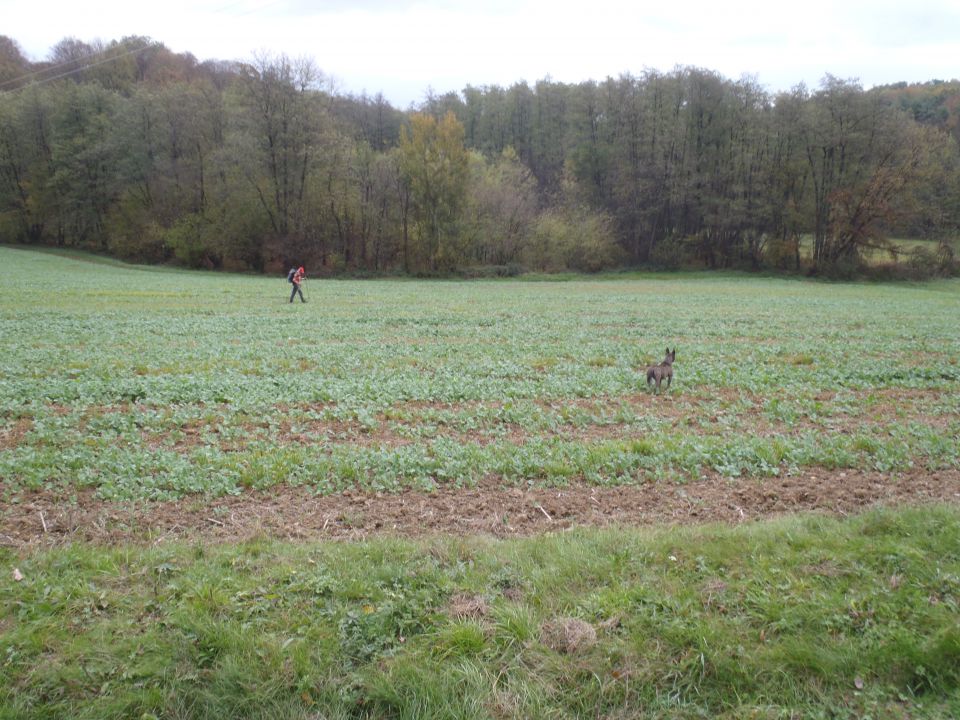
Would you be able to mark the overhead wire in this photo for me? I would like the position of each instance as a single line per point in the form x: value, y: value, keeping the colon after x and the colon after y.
x: 47, y: 68
x: 74, y: 71
x: 112, y: 58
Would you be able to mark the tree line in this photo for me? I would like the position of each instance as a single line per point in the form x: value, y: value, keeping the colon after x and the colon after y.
x: 130, y: 149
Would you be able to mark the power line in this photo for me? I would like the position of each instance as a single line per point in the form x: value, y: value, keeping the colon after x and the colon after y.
x: 48, y: 68
x: 74, y: 71
x: 112, y: 58
x: 23, y: 78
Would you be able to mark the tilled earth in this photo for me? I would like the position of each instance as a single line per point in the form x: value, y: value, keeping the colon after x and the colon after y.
x: 284, y: 512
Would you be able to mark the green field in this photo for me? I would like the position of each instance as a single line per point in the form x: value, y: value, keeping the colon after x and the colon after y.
x: 154, y: 384
x: 137, y: 385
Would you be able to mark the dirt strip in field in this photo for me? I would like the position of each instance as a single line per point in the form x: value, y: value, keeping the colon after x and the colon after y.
x: 292, y: 513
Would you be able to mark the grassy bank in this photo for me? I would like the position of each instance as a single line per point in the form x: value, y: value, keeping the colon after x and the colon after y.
x: 805, y: 617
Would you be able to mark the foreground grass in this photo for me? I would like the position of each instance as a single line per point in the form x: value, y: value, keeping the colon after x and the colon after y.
x: 805, y: 617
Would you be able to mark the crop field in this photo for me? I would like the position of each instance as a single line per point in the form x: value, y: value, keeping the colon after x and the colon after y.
x: 165, y: 434
x: 135, y: 384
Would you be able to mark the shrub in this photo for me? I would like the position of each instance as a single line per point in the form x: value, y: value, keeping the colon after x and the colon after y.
x: 133, y: 235
x: 493, y: 271
x: 669, y: 254
x: 192, y: 243
x: 923, y: 262
x: 947, y: 258
x: 783, y: 253
x: 573, y: 239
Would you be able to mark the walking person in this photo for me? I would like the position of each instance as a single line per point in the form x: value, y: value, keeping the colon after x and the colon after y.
x: 296, y: 276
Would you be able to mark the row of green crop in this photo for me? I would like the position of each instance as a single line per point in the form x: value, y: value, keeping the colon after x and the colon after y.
x: 127, y: 472
x: 705, y: 410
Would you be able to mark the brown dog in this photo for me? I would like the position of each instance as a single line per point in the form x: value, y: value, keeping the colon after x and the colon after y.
x: 663, y: 370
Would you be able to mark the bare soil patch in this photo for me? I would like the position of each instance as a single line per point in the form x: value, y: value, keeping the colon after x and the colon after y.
x: 568, y: 635
x: 10, y: 438
x: 295, y: 513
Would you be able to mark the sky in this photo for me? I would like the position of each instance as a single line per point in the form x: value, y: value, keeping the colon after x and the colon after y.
x: 407, y: 48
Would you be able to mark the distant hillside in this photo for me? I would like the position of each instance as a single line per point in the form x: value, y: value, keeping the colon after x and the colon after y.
x: 129, y: 149
x: 935, y: 103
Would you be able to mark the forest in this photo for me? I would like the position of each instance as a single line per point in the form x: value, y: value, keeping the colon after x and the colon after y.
x: 129, y: 149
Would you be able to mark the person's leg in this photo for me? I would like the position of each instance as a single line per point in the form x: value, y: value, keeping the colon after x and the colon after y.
x: 293, y: 292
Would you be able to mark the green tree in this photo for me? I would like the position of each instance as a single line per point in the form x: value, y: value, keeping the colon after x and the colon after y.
x: 31, y: 207
x: 434, y: 163
x: 861, y: 211
x: 501, y: 208
x: 276, y: 138
x: 14, y: 67
x: 862, y: 156
x: 83, y: 158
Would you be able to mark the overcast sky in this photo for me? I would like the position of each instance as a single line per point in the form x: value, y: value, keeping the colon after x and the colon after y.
x: 404, y: 47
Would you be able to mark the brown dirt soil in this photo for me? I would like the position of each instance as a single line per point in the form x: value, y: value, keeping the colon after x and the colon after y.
x: 44, y: 519
x: 10, y: 438
x: 568, y: 635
